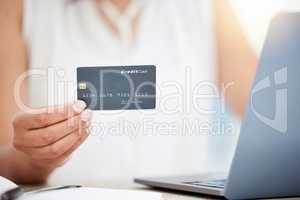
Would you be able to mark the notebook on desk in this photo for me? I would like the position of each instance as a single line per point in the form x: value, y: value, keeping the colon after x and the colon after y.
x: 11, y: 191
x: 94, y: 193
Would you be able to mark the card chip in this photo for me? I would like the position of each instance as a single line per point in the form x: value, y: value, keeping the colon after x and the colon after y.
x: 82, y: 86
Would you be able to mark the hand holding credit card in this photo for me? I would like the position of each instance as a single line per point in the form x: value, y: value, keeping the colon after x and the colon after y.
x: 117, y: 87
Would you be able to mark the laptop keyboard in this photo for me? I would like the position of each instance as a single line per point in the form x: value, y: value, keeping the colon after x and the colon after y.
x: 211, y: 183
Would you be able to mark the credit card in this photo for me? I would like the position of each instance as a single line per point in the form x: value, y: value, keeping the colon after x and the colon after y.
x: 117, y: 87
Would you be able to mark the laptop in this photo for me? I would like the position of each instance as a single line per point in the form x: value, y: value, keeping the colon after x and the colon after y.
x: 266, y: 162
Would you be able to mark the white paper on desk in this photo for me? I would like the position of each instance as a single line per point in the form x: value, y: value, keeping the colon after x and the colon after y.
x: 94, y: 193
x: 5, y: 185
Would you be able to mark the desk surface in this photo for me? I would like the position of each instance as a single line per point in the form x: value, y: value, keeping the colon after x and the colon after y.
x: 173, y: 195
x: 168, y: 194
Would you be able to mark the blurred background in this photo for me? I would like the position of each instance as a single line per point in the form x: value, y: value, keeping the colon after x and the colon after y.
x: 255, y: 16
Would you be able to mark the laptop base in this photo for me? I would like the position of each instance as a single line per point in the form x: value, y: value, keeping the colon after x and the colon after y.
x: 201, y: 184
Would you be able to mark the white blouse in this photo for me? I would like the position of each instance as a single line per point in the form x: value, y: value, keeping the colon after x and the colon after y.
x: 178, y: 37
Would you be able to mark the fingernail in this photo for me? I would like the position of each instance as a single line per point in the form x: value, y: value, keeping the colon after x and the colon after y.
x: 86, y: 115
x: 79, y: 106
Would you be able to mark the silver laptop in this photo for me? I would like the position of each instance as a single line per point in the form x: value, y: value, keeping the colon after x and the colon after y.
x: 266, y: 163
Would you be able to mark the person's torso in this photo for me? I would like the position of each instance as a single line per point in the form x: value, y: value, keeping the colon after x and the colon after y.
x: 175, y: 36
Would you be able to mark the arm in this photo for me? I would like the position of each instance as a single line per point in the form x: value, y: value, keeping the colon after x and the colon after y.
x: 12, y: 62
x: 31, y: 145
x: 236, y: 60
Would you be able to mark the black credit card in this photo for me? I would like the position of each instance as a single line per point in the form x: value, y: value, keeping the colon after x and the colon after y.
x: 117, y: 87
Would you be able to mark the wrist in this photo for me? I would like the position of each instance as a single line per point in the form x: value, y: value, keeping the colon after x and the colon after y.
x: 25, y: 170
